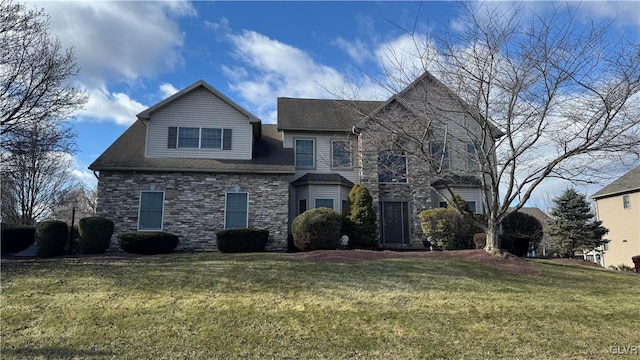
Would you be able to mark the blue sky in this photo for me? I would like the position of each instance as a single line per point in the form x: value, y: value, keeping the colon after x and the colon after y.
x: 134, y: 54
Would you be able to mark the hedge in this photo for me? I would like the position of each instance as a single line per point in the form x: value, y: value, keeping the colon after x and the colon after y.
x: 51, y: 238
x: 94, y: 235
x: 16, y: 238
x: 148, y: 243
x: 242, y: 240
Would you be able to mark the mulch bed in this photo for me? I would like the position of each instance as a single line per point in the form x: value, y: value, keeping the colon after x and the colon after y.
x: 505, y: 262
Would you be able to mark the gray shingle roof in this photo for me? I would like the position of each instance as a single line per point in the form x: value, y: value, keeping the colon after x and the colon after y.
x: 314, y: 178
x: 628, y: 182
x: 127, y: 154
x: 321, y: 114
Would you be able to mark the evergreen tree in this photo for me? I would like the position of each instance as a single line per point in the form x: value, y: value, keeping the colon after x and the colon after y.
x: 361, y: 219
x: 574, y: 226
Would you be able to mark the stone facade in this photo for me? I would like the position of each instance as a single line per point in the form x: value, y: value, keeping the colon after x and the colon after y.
x: 194, y: 204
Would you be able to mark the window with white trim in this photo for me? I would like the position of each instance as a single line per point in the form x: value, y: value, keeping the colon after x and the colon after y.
x: 199, y: 138
x: 439, y: 156
x: 392, y: 167
x: 327, y: 203
x: 341, y: 154
x: 236, y: 210
x: 151, y: 210
x: 626, y: 201
x: 305, y: 153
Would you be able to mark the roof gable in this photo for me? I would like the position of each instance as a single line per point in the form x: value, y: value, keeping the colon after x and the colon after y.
x: 428, y: 77
x: 146, y: 114
x: 628, y: 182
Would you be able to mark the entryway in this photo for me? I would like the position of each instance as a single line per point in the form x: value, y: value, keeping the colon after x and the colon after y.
x: 395, y: 222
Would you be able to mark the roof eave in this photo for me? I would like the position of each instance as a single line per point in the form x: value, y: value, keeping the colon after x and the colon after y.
x: 224, y: 171
x: 615, y: 193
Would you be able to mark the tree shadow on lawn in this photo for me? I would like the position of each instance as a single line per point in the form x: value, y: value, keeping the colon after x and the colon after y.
x: 55, y: 352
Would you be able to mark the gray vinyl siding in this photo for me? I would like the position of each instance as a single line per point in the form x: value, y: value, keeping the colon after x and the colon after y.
x: 468, y: 194
x: 200, y: 109
x: 323, y: 154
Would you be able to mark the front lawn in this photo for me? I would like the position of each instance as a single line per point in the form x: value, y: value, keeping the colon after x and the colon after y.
x: 212, y: 305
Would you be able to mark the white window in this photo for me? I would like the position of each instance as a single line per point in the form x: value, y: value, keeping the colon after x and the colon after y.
x: 473, y: 154
x: 626, y: 202
x: 392, y: 167
x: 305, y: 157
x: 150, y: 211
x: 327, y: 203
x: 439, y: 156
x: 236, y: 210
x: 199, y: 138
x: 341, y: 154
x: 302, y: 206
x: 188, y: 138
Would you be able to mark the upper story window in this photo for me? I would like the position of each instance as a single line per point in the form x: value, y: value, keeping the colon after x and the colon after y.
x: 150, y: 210
x: 473, y: 153
x: 199, y: 138
x: 392, y: 167
x: 440, y: 155
x: 305, y: 153
x: 626, y: 201
x: 341, y: 154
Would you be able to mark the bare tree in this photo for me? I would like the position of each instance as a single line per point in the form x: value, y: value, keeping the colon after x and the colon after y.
x: 37, y: 176
x: 35, y: 73
x: 519, y: 98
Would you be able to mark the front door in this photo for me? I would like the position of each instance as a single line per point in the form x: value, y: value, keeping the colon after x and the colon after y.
x: 395, y: 222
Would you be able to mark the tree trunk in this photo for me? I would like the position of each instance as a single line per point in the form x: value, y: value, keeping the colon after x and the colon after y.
x: 493, y: 241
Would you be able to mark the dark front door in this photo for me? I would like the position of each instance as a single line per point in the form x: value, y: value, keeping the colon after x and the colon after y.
x: 395, y: 222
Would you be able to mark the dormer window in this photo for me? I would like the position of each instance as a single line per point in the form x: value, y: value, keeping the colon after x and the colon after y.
x: 199, y: 138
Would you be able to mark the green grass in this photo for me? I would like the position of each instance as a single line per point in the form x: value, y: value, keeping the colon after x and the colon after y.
x: 256, y: 306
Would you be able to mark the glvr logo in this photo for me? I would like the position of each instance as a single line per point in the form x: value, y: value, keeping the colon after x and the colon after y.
x: 624, y: 350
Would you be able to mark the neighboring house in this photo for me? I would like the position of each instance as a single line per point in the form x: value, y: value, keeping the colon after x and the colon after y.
x: 197, y: 163
x: 618, y: 207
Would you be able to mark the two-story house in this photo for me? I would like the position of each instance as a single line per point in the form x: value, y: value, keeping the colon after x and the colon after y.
x: 618, y: 207
x: 197, y: 163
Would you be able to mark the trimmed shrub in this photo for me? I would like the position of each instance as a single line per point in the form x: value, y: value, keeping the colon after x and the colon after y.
x: 148, y: 242
x: 360, y: 218
x: 16, y: 238
x: 525, y: 225
x: 242, y: 240
x: 51, y: 238
x: 317, y: 229
x: 516, y: 244
x: 94, y: 235
x: 439, y: 226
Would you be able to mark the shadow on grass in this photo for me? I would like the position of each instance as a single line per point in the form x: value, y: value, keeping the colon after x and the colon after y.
x: 55, y: 352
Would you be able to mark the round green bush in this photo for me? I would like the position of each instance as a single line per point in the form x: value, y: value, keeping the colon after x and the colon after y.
x: 51, y: 238
x: 148, y: 242
x: 94, y: 235
x: 360, y: 218
x: 317, y: 229
x: 16, y: 238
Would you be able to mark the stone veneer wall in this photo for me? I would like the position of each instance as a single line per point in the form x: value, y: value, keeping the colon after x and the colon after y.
x: 194, y: 204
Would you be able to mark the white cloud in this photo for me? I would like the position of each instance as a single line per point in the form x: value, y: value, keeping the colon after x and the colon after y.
x: 106, y: 106
x: 116, y: 41
x: 167, y: 90
x: 266, y: 69
x: 357, y: 49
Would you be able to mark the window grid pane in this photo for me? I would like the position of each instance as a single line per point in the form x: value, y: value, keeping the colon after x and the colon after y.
x: 236, y: 211
x: 328, y: 203
x: 211, y: 139
x: 188, y: 138
x: 151, y: 204
x: 304, y: 153
x: 392, y: 168
x: 341, y: 150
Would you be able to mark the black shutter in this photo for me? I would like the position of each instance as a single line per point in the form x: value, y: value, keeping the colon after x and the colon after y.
x: 173, y: 137
x: 226, y: 139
